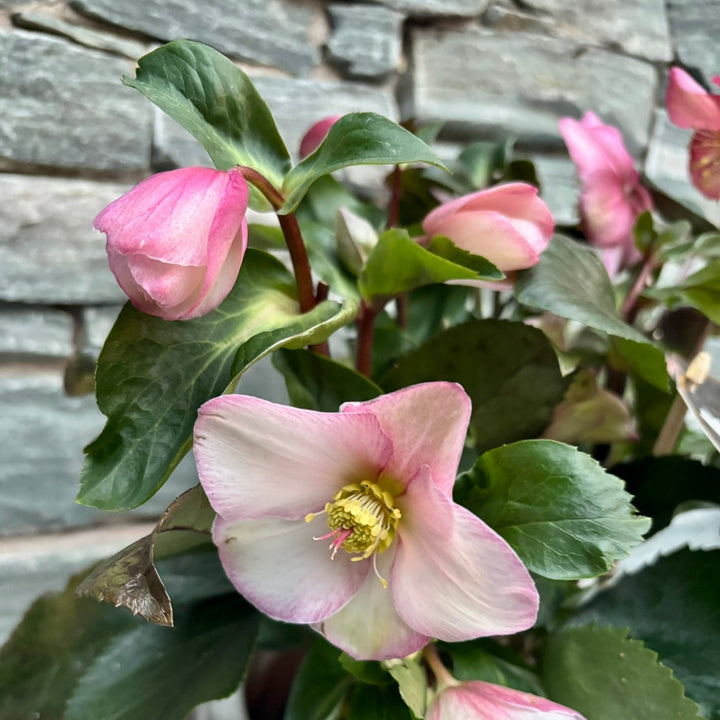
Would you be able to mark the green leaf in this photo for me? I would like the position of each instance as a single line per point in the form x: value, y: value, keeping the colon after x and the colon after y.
x: 216, y: 102
x: 606, y: 676
x: 571, y: 281
x: 320, y: 686
x: 444, y: 247
x: 372, y: 702
x: 153, y: 376
x: 645, y: 360
x: 355, y: 139
x: 399, y: 264
x: 508, y: 369
x: 484, y: 161
x: 412, y: 682
x: 318, y: 383
x: 701, y: 290
x: 674, y: 607
x: 560, y: 511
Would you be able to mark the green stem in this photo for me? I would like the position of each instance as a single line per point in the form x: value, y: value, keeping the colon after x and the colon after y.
x: 366, y: 323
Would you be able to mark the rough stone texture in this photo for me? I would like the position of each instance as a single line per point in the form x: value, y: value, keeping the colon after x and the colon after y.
x: 637, y: 28
x: 366, y: 41
x: 44, y: 433
x: 49, y: 251
x: 269, y: 32
x: 97, y: 323
x: 174, y: 146
x: 82, y: 35
x: 35, y: 331
x: 667, y: 166
x: 437, y: 8
x: 695, y: 26
x: 560, y: 186
x: 486, y: 82
x: 65, y: 106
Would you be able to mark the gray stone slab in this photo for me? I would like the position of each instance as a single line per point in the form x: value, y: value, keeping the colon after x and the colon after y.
x: 482, y: 81
x: 365, y: 41
x: 174, y: 146
x: 49, y: 251
x: 560, y: 187
x: 264, y: 32
x: 666, y: 165
x: 437, y: 8
x: 41, y: 454
x: 63, y: 105
x: 79, y: 34
x: 637, y: 28
x: 97, y: 323
x: 695, y: 27
x: 35, y: 331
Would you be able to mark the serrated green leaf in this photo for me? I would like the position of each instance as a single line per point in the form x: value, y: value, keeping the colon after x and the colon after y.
x: 412, y: 682
x: 398, y: 264
x: 153, y: 376
x: 606, y: 676
x: 355, y: 139
x: 444, y: 247
x: 216, y: 102
x: 674, y: 607
x: 557, y: 507
x: 509, y: 370
x: 318, y: 383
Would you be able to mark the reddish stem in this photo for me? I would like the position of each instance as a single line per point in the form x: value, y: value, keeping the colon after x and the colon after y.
x: 631, y: 307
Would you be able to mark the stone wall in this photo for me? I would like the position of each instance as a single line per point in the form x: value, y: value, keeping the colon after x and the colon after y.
x: 72, y: 138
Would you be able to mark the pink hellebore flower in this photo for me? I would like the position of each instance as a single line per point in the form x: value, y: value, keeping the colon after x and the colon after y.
x: 316, y: 134
x: 691, y: 106
x: 484, y: 701
x: 509, y: 225
x: 404, y: 563
x: 611, y: 197
x: 175, y: 242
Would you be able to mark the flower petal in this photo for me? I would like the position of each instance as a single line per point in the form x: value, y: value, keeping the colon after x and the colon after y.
x: 368, y: 627
x: 427, y: 423
x: 705, y: 162
x: 689, y: 105
x: 454, y: 578
x: 257, y: 458
x: 278, y: 566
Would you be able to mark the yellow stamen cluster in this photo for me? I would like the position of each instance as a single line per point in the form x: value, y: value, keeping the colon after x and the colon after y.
x: 367, y: 510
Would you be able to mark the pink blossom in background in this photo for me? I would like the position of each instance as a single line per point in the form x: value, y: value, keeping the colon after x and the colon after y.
x: 484, y: 701
x: 346, y: 520
x: 175, y: 242
x: 611, y: 196
x: 316, y: 134
x: 509, y: 225
x: 689, y: 105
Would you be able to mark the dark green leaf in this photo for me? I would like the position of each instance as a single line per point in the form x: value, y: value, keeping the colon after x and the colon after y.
x: 367, y: 671
x: 644, y: 233
x: 660, y: 484
x: 606, y: 676
x: 355, y: 139
x: 509, y: 370
x: 701, y: 290
x: 317, y: 383
x: 216, y: 102
x: 320, y: 686
x: 444, y: 247
x: 371, y: 702
x: 484, y: 162
x: 153, y: 375
x: 673, y: 606
x: 645, y: 360
x: 556, y: 506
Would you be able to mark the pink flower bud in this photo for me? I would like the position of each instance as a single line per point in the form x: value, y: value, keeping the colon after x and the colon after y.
x: 175, y: 242
x: 509, y: 225
x: 316, y: 134
x: 611, y: 197
x: 484, y: 701
x: 689, y: 105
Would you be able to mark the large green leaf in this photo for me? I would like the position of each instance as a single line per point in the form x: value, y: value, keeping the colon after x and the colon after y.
x: 571, y: 281
x: 215, y: 101
x: 701, y: 290
x: 606, y: 676
x: 373, y: 702
x: 509, y: 370
x: 153, y: 376
x: 674, y: 607
x: 355, y: 139
x: 398, y: 264
x: 558, y: 508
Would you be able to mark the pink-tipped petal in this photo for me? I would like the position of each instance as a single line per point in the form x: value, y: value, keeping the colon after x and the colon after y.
x: 472, y: 582
x: 477, y: 700
x: 278, y: 566
x: 368, y: 627
x: 608, y: 218
x: 705, y: 162
x: 428, y: 424
x: 256, y: 458
x: 689, y: 105
x: 314, y: 137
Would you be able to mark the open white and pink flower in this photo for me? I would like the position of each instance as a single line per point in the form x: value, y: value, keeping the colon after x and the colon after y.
x: 374, y: 481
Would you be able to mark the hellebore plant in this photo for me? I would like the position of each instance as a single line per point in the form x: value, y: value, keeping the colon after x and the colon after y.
x: 689, y: 105
x: 406, y: 539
